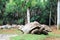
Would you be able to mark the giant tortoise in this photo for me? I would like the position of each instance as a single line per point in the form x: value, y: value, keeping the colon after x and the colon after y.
x: 33, y: 28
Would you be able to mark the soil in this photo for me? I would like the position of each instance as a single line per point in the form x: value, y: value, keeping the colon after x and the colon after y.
x: 55, y: 31
x: 6, y: 36
x: 52, y: 38
x: 53, y: 27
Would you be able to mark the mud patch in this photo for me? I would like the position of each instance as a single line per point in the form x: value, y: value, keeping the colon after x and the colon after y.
x: 52, y: 38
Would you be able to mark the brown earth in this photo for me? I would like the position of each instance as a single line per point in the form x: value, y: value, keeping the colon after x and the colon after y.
x: 55, y: 31
x: 10, y: 31
x: 52, y: 38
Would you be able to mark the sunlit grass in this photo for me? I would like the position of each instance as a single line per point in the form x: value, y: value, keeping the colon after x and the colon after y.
x: 29, y: 37
x: 53, y: 35
x: 10, y: 31
x: 34, y: 37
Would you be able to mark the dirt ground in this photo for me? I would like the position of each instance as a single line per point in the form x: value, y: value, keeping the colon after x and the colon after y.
x: 52, y: 38
x: 55, y: 31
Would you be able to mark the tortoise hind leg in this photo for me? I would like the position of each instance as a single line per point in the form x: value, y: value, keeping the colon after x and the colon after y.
x: 44, y: 32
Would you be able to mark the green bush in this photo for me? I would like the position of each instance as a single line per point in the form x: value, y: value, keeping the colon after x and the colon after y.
x: 39, y: 9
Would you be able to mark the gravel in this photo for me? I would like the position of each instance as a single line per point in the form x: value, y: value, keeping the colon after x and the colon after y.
x: 6, y: 36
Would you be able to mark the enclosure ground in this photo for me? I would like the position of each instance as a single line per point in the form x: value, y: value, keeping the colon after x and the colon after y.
x: 54, y: 35
x: 55, y: 32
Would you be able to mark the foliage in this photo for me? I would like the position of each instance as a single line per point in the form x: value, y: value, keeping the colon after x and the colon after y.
x: 17, y: 9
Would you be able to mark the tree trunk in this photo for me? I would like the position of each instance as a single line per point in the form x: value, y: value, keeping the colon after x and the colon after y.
x: 58, y: 14
x: 28, y: 15
x: 50, y: 19
x: 55, y: 18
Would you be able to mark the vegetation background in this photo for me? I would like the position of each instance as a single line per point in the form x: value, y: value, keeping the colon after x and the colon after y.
x: 15, y: 11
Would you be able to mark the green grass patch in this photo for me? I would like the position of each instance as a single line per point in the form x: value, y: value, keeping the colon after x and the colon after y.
x: 34, y: 37
x: 53, y: 35
x: 29, y: 37
x: 10, y: 31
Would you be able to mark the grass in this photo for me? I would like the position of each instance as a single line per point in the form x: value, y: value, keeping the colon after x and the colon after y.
x: 34, y: 37
x: 10, y: 31
x: 27, y: 36
x: 53, y: 35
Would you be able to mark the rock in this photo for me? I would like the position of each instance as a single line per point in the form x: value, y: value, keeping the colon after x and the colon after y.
x: 14, y: 25
x: 20, y: 27
x: 5, y: 26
